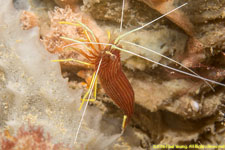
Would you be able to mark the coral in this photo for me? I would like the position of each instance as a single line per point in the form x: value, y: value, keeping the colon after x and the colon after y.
x: 27, y: 139
x: 28, y: 20
x: 52, y: 40
x: 55, y: 44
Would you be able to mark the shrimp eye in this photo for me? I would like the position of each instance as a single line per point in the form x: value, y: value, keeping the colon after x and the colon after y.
x: 112, y: 56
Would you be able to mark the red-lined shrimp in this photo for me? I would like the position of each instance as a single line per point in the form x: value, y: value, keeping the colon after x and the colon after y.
x: 114, y: 81
x: 106, y: 61
x: 110, y: 74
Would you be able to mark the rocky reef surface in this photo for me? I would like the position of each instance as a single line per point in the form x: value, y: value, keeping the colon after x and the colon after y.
x: 170, y: 108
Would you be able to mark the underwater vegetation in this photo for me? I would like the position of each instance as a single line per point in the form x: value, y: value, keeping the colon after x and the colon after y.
x: 44, y: 101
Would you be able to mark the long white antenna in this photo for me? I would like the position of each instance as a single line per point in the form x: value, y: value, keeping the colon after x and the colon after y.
x: 171, y: 68
x: 139, y: 28
x: 85, y: 108
x: 78, y: 43
x: 121, y: 20
x: 148, y: 49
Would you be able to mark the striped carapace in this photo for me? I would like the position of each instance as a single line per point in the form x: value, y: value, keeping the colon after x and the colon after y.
x: 111, y: 76
x: 115, y: 83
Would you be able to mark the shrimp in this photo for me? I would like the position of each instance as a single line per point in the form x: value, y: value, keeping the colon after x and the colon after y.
x: 105, y: 59
x: 110, y: 73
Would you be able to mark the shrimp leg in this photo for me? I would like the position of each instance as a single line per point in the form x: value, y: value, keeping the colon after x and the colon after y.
x: 95, y: 86
x: 87, y: 93
x: 70, y: 59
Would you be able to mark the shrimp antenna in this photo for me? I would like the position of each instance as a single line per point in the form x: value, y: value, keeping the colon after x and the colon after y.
x: 166, y: 58
x: 73, y: 40
x: 139, y: 28
x: 121, y: 23
x: 171, y: 68
x: 195, y: 75
x: 85, y: 108
x: 83, y: 43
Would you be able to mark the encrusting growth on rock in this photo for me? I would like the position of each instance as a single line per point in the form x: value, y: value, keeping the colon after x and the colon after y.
x: 27, y: 139
x: 55, y: 44
x: 28, y: 20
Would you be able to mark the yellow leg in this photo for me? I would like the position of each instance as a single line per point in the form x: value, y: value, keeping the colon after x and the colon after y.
x: 95, y: 90
x: 70, y: 59
x: 95, y: 93
x: 89, y: 40
x: 89, y: 90
x: 109, y: 35
x: 69, y: 23
x: 124, y: 121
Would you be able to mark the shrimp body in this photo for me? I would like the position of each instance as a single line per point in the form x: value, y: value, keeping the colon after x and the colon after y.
x: 111, y: 76
x: 115, y: 83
